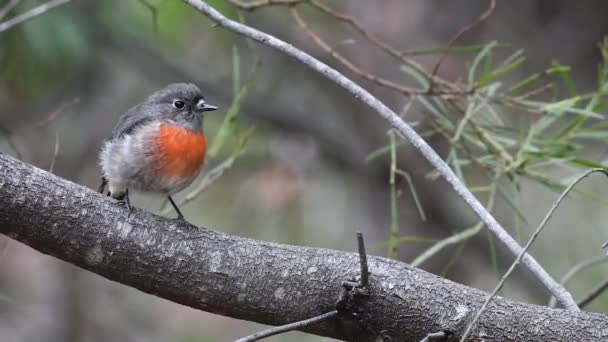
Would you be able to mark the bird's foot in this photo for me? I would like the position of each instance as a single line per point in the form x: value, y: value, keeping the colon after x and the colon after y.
x: 124, y: 200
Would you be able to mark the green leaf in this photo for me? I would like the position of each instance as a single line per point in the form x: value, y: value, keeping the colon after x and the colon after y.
x: 416, y: 75
x: 498, y: 72
x: 564, y: 73
x: 228, y: 127
x: 379, y: 152
x: 525, y: 82
x: 236, y: 70
x: 588, y: 163
x: 462, y: 49
x: 483, y: 54
x: 407, y: 239
x: 454, y: 239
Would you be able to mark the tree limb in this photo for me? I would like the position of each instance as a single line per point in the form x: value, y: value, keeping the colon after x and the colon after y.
x: 254, y: 280
x: 405, y: 130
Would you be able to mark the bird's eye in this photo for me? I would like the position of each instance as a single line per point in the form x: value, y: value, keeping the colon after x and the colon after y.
x: 179, y: 104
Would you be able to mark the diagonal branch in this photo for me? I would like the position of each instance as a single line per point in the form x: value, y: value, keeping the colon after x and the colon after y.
x: 541, y: 226
x: 34, y: 12
x: 254, y: 280
x: 404, y: 129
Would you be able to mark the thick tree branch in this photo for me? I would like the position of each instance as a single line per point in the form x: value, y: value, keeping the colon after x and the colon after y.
x: 258, y: 281
x: 404, y: 129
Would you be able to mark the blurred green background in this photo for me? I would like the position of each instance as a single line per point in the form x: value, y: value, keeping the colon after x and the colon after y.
x: 303, y: 177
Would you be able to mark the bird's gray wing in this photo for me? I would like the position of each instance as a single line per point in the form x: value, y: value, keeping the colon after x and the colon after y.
x: 132, y: 119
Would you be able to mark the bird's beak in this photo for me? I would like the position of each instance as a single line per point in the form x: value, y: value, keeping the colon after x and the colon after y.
x: 208, y: 108
x: 202, y: 106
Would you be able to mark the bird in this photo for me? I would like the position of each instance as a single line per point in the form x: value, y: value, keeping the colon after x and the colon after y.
x: 157, y: 146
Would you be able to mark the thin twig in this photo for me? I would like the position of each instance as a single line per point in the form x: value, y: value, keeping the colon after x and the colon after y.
x: 528, y: 245
x: 34, y: 12
x: 387, y: 48
x: 55, y: 153
x: 347, y: 63
x: 593, y: 294
x: 289, y: 327
x: 403, y: 128
x: 362, y: 261
x: 52, y: 116
x: 574, y: 270
x: 463, y: 30
x: 11, y: 4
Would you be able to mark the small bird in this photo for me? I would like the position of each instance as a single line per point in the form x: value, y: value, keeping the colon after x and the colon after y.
x: 157, y: 146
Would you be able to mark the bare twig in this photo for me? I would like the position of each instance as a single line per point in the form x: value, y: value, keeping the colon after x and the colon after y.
x: 363, y: 261
x: 347, y: 63
x: 463, y: 30
x: 575, y: 269
x: 55, y: 153
x: 387, y: 48
x: 289, y: 327
x: 52, y: 116
x: 9, y: 6
x: 34, y: 12
x: 530, y: 242
x: 403, y: 128
x: 593, y: 294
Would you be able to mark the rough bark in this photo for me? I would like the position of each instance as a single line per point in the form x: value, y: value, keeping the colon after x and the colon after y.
x: 254, y: 280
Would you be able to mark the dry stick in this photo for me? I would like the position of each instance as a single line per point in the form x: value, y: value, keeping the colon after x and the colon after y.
x: 530, y: 242
x: 362, y: 261
x: 404, y: 129
x: 289, y: 327
x: 347, y: 63
x: 400, y: 56
x: 574, y: 270
x: 52, y: 116
x: 55, y: 153
x: 34, y: 12
x: 460, y: 32
x: 598, y: 290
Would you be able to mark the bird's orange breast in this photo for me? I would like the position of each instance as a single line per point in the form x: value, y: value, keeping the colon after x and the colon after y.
x: 182, y: 151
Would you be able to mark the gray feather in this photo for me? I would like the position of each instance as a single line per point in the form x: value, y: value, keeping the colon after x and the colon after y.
x: 156, y: 107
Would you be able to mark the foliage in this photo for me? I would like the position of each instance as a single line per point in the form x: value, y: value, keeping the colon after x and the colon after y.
x: 510, y: 130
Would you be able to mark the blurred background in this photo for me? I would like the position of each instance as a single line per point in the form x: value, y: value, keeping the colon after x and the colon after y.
x: 305, y: 175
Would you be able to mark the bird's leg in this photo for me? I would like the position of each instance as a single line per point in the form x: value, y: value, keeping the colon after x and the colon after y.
x: 102, y: 186
x: 124, y: 199
x: 179, y: 213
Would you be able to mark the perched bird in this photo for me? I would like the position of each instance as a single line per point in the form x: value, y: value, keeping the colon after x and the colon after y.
x: 157, y: 146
